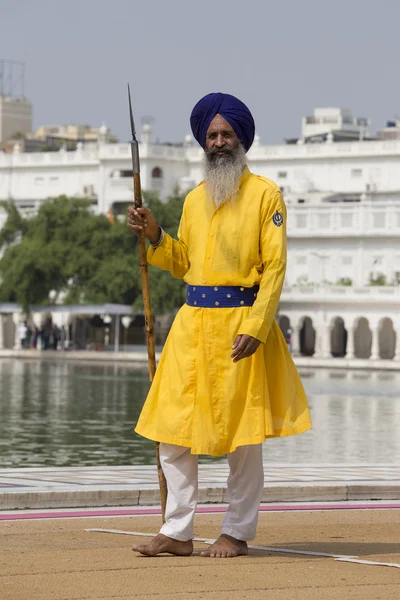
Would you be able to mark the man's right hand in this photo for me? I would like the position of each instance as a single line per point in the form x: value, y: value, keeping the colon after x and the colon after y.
x: 141, y: 219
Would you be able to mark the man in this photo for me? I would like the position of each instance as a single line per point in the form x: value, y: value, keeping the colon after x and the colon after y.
x: 225, y: 381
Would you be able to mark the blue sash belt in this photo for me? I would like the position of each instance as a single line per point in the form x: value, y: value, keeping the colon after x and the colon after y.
x: 220, y: 296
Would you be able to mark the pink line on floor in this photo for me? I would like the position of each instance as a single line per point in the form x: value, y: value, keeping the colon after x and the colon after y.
x: 123, y: 512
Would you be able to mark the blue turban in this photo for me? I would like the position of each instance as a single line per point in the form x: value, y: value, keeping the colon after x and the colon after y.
x: 231, y: 109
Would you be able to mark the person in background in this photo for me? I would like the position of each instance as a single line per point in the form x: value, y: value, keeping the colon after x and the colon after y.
x: 22, y: 331
x: 35, y: 337
x: 28, y: 336
x: 63, y: 336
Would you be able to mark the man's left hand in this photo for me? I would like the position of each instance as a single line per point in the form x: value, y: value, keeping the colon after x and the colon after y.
x: 244, y: 346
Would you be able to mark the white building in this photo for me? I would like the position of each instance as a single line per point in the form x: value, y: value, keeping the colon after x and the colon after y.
x: 343, y: 204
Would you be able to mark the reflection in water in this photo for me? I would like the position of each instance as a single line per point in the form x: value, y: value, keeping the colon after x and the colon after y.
x: 355, y: 417
x: 59, y: 414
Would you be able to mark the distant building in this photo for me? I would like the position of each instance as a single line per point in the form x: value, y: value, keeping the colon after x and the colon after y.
x: 53, y: 137
x: 338, y: 123
x: 391, y: 131
x: 15, y: 117
x: 74, y: 133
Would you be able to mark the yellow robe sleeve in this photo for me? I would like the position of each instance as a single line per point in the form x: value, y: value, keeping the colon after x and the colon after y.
x: 273, y: 252
x: 172, y: 255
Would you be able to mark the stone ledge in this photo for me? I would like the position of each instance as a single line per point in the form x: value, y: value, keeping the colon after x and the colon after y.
x: 305, y: 493
x: 149, y: 496
x: 377, y: 491
x: 68, y: 499
x: 139, y: 358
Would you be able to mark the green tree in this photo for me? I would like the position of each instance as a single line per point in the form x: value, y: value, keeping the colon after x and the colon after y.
x: 67, y: 248
x: 377, y: 279
x: 345, y: 281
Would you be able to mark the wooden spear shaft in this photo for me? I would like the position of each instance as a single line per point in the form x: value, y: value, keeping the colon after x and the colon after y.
x: 144, y: 275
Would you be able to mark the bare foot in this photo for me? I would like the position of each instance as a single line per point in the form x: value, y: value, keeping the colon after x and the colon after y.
x: 161, y: 543
x: 226, y: 546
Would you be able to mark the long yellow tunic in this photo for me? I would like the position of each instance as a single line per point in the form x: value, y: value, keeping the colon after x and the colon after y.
x: 199, y: 398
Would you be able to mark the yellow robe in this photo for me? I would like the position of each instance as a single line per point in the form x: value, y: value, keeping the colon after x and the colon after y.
x: 199, y: 398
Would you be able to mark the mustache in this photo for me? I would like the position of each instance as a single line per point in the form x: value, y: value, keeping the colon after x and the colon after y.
x: 213, y: 153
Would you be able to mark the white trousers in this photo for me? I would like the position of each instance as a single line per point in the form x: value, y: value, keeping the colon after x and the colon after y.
x: 245, y: 486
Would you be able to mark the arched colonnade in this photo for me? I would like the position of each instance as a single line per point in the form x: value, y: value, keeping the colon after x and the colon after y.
x: 342, y: 337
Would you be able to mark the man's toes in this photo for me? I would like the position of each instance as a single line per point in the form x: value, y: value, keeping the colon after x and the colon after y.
x: 143, y: 549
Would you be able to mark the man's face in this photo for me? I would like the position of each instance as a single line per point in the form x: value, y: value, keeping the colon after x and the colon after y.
x: 221, y: 140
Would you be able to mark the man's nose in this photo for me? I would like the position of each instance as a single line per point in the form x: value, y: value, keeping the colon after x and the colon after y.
x: 220, y: 141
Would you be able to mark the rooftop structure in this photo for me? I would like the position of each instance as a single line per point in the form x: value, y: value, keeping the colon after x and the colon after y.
x: 339, y: 123
x: 15, y: 117
x: 15, y: 110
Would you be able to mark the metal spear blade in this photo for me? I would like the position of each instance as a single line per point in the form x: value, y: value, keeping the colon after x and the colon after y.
x: 133, y: 130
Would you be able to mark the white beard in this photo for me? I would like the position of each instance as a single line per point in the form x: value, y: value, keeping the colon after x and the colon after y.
x: 223, y: 173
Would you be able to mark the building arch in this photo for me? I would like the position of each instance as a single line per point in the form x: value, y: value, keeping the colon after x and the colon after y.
x: 387, y: 339
x: 307, y: 337
x: 284, y: 324
x: 338, y: 337
x: 157, y: 176
x: 287, y: 331
x: 157, y: 173
x: 362, y: 338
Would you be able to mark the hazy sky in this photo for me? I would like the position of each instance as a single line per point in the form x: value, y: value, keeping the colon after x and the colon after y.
x: 282, y: 58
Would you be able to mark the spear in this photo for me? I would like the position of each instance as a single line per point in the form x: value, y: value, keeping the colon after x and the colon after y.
x: 144, y: 274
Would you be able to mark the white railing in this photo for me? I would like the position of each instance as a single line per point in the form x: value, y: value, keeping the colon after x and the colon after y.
x: 194, y: 153
x: 40, y: 159
x: 348, y: 294
x: 113, y: 151
x: 325, y: 150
